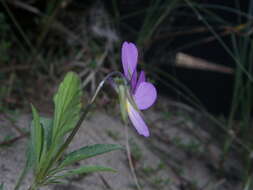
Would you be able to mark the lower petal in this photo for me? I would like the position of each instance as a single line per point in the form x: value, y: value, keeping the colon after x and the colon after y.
x: 137, y: 120
x: 145, y: 95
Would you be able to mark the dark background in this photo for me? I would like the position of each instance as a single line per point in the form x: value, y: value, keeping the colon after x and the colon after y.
x: 213, y: 89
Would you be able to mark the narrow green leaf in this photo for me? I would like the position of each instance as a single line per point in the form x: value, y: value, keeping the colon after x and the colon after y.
x: 2, y: 186
x: 67, y: 103
x: 47, y: 124
x: 87, y: 152
x: 84, y: 170
x: 36, y: 134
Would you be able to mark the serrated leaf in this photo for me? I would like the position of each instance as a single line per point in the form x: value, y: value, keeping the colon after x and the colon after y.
x: 84, y: 170
x: 67, y: 103
x: 87, y: 152
x: 36, y: 135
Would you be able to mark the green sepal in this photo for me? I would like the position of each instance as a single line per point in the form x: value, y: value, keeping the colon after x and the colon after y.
x: 123, y: 100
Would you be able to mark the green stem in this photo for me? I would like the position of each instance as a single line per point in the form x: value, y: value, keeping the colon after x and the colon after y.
x: 130, y: 161
x: 73, y: 132
x: 68, y: 140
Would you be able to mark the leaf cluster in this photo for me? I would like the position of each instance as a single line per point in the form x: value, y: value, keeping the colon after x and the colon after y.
x: 49, y: 135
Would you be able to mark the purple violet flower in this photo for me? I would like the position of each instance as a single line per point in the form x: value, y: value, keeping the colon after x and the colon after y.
x: 144, y: 93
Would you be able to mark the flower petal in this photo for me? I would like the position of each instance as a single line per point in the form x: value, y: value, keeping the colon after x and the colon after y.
x: 137, y: 120
x: 133, y: 81
x: 141, y: 79
x: 145, y: 95
x: 129, y: 58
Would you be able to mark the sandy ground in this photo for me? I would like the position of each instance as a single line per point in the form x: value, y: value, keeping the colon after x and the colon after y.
x: 177, y: 156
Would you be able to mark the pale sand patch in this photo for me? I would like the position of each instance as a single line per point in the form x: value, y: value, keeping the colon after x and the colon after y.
x: 161, y: 163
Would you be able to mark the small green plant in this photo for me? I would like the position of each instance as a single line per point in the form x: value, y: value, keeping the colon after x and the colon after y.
x: 50, y: 138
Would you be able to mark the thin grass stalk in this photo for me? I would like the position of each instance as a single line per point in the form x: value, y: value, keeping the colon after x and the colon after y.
x: 116, y: 12
x: 226, y: 48
x: 17, y: 25
x: 190, y: 97
x: 212, y: 118
x: 227, y: 9
x: 247, y: 101
x: 47, y: 21
x: 248, y: 184
x: 235, y: 102
x: 147, y: 24
x: 242, y: 101
x: 241, y: 71
x: 238, y: 7
x: 247, y: 114
x: 154, y: 17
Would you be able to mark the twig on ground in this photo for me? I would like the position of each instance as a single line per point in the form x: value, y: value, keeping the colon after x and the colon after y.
x: 13, y: 125
x: 10, y: 141
x: 107, y: 185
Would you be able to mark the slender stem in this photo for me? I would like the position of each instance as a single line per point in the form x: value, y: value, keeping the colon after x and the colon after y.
x: 73, y: 133
x: 130, y: 161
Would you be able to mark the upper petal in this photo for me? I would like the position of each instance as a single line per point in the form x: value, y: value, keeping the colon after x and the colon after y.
x: 137, y: 120
x: 133, y: 80
x: 141, y: 79
x: 145, y: 95
x: 129, y: 56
